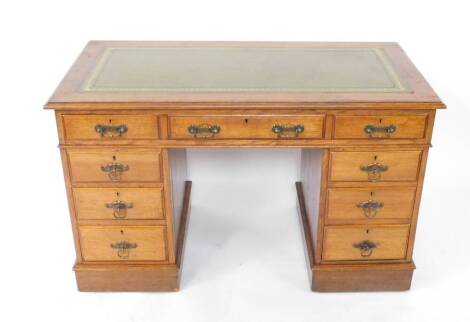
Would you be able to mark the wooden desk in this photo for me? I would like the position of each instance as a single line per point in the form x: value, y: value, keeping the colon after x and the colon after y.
x: 360, y: 112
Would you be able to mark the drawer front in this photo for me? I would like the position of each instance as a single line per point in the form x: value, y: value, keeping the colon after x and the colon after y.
x: 365, y: 243
x: 370, y: 204
x: 119, y: 203
x: 248, y: 127
x: 115, y: 165
x: 123, y: 243
x: 375, y: 166
x: 110, y: 127
x: 380, y: 126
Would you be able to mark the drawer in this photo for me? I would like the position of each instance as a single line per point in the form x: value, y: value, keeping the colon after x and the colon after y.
x: 370, y: 204
x: 247, y: 127
x: 115, y: 165
x: 365, y: 243
x: 375, y: 166
x: 107, y: 127
x: 117, y: 243
x: 119, y: 203
x: 380, y: 126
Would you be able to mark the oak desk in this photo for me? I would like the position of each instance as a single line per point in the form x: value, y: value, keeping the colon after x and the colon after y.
x: 360, y: 112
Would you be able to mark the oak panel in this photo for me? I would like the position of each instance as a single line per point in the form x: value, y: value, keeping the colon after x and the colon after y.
x: 121, y: 278
x: 340, y: 241
x: 149, y: 242
x: 145, y: 203
x: 362, y: 278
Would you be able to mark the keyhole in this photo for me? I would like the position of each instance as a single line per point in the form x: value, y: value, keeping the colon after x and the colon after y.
x: 371, y: 194
x: 122, y: 232
x: 375, y: 157
x: 367, y: 231
x: 114, y: 158
x: 246, y: 120
x: 380, y: 121
x: 117, y: 194
x: 110, y: 121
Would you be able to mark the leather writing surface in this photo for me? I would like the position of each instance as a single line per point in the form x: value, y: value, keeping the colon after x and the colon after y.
x: 229, y: 69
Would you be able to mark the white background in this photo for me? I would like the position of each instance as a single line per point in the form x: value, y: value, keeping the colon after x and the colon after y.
x: 244, y: 257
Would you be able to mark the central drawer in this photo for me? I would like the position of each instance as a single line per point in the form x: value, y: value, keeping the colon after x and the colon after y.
x: 115, y: 165
x: 247, y: 127
x: 122, y: 243
x: 365, y: 242
x: 119, y: 203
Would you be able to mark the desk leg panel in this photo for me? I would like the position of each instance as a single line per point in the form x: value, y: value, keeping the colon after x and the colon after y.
x: 138, y: 277
x: 314, y: 176
x: 347, y: 277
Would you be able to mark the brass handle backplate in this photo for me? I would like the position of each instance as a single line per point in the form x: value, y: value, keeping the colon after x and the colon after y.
x: 115, y: 170
x: 111, y: 131
x: 380, y: 131
x: 123, y: 248
x: 204, y: 131
x: 287, y: 130
x: 374, y: 170
x: 119, y: 208
x: 366, y: 247
x: 370, y: 207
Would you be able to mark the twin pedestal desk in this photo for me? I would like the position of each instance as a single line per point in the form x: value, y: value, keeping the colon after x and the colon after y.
x: 361, y: 114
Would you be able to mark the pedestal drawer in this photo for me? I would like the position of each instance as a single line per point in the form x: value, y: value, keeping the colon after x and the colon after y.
x: 115, y: 165
x: 123, y: 243
x: 119, y: 203
x: 370, y: 204
x: 247, y: 127
x: 380, y: 126
x: 365, y: 242
x: 110, y: 127
x: 375, y: 166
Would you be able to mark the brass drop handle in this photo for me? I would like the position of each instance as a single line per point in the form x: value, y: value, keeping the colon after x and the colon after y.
x: 111, y: 130
x: 366, y: 247
x: 374, y: 170
x: 119, y: 208
x: 370, y: 207
x: 380, y: 131
x: 204, y: 131
x: 123, y: 248
x: 287, y: 130
x: 115, y: 170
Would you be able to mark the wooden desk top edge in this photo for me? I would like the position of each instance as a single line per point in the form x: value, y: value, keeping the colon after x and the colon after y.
x: 69, y: 96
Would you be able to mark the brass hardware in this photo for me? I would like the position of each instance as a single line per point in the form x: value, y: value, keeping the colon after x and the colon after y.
x: 120, y: 208
x: 287, y: 130
x: 366, y: 247
x: 110, y: 131
x: 115, y: 170
x: 370, y: 207
x: 374, y: 170
x: 123, y: 248
x: 380, y: 131
x: 204, y: 131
